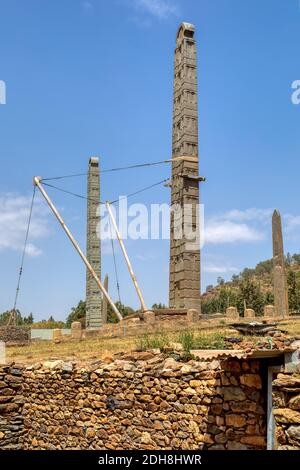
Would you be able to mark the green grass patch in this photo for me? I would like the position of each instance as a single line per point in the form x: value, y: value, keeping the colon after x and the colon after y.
x: 152, y: 342
x: 209, y: 341
x: 187, y: 339
x: 191, y: 340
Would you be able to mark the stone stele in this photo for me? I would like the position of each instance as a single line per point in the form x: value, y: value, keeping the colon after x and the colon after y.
x: 249, y: 313
x: 93, y: 294
x: 280, y: 283
x: 269, y: 311
x: 232, y: 312
x: 184, y: 279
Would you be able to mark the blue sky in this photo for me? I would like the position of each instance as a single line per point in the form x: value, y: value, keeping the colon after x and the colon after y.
x: 95, y: 77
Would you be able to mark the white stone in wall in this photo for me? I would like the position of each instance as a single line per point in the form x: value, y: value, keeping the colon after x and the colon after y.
x: 2, y: 353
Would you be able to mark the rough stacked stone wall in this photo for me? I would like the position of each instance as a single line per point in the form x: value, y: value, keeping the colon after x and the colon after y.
x: 13, y: 335
x: 11, y: 405
x: 145, y: 401
x: 286, y: 402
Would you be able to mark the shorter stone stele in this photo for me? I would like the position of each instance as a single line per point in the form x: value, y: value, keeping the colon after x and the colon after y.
x: 249, y: 313
x: 149, y: 316
x: 269, y: 311
x: 192, y: 315
x: 76, y: 331
x: 57, y: 335
x: 232, y: 312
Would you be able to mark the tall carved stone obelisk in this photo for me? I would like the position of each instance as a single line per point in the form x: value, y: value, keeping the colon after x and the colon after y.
x: 93, y: 294
x: 280, y: 284
x: 184, y: 288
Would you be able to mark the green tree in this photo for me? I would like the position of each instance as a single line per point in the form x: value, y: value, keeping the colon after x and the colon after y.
x: 296, y: 258
x: 218, y: 303
x: 209, y: 288
x: 28, y: 320
x: 77, y: 314
x: 269, y: 298
x: 293, y: 291
x: 247, y: 273
x: 209, y: 305
x: 264, y: 267
x: 251, y: 295
x: 158, y: 306
x: 123, y: 309
x: 4, y: 317
x: 48, y: 325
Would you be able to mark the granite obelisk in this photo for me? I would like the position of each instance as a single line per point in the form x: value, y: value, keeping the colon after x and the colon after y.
x: 93, y: 294
x: 279, y: 275
x: 184, y: 281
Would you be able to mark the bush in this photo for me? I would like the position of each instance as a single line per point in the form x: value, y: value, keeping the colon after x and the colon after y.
x: 152, y: 342
x: 186, y: 338
x: 190, y: 340
x: 209, y: 341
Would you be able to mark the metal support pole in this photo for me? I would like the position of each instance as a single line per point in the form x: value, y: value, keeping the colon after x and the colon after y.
x: 37, y: 182
x: 139, y: 293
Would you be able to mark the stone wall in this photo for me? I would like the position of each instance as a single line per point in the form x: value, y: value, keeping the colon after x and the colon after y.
x: 11, y: 404
x: 14, y: 335
x: 142, y: 401
x: 286, y: 402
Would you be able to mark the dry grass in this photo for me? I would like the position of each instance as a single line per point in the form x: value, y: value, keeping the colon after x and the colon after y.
x: 292, y: 326
x: 98, y: 348
x: 87, y: 349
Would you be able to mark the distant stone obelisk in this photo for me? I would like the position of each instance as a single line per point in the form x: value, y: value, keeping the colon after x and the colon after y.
x: 280, y: 284
x: 184, y: 282
x: 93, y: 294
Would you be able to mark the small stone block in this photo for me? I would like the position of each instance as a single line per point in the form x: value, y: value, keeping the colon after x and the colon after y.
x: 269, y: 311
x: 57, y: 334
x: 249, y: 313
x: 192, y: 315
x: 76, y: 331
x: 232, y: 312
x: 149, y: 316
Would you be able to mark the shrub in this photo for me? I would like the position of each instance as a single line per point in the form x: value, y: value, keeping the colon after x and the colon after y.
x: 152, y: 342
x: 186, y: 338
x: 209, y: 341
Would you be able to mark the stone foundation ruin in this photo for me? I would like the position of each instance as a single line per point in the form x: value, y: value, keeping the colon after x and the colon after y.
x: 15, y: 335
x: 147, y: 401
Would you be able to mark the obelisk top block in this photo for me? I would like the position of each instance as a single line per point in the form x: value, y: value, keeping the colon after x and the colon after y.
x: 187, y: 29
x: 94, y: 161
